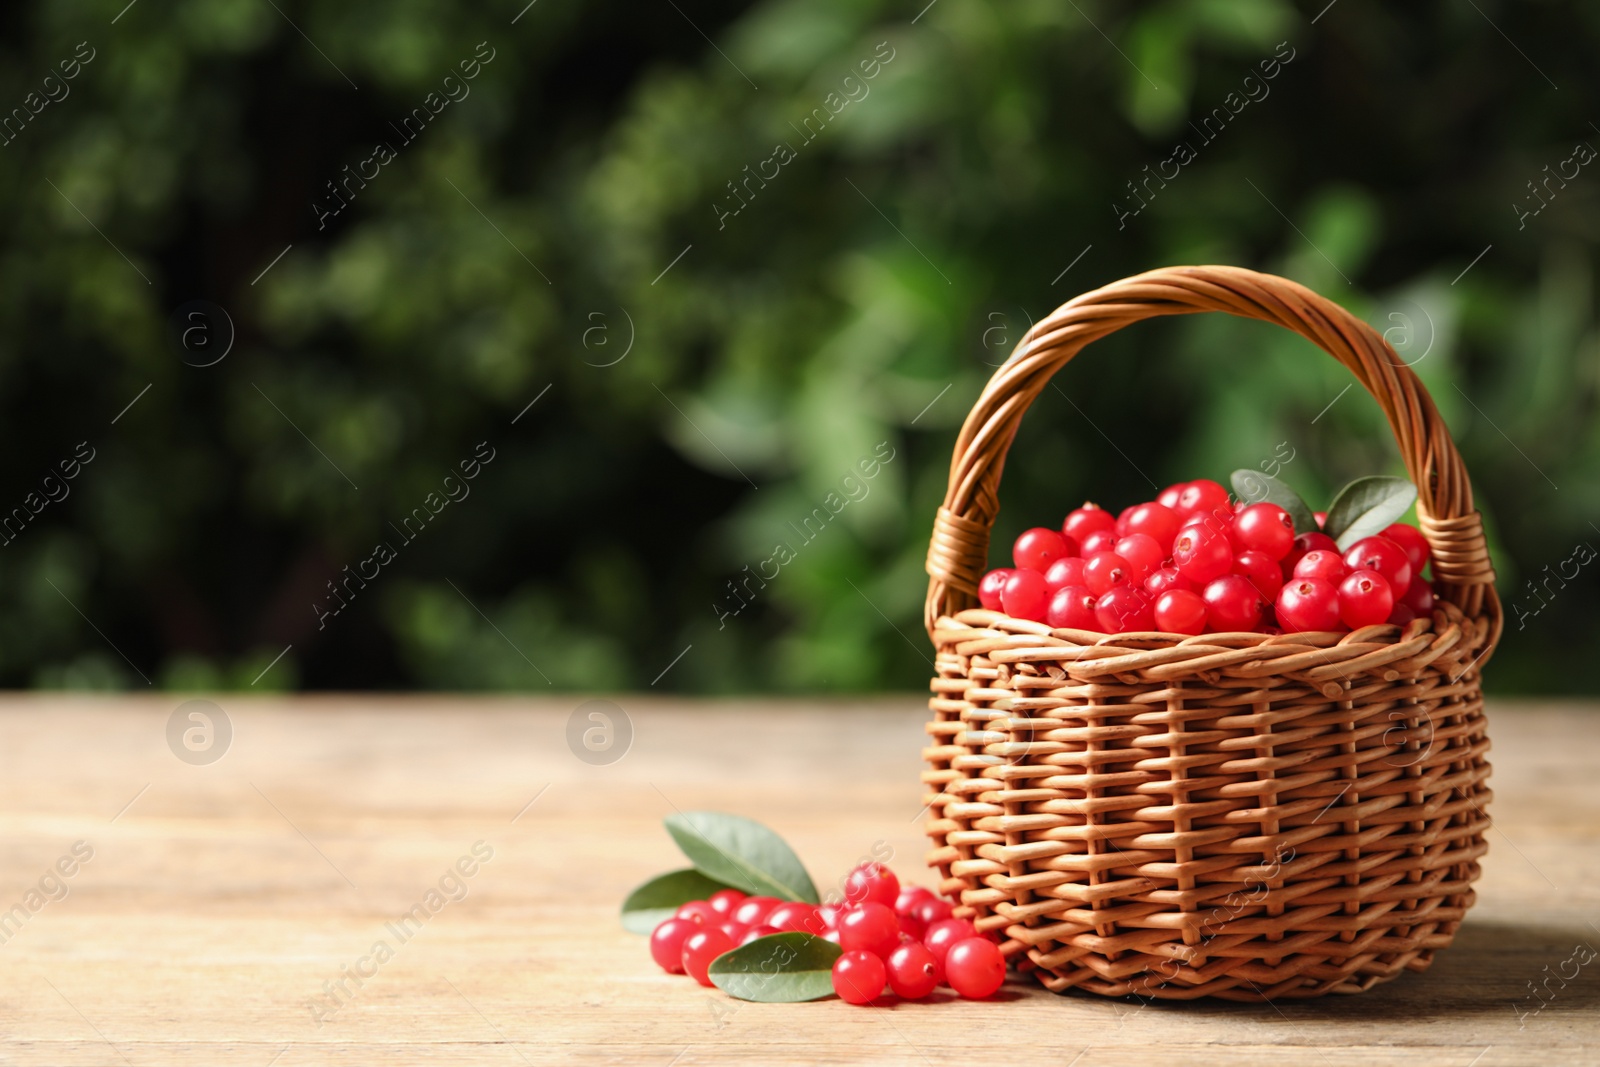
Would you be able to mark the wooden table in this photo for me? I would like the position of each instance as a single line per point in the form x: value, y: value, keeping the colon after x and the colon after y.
x: 222, y: 900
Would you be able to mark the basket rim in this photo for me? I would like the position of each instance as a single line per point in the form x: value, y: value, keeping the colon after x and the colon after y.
x: 1326, y: 660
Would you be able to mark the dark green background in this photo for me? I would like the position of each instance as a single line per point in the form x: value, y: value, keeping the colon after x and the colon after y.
x: 901, y: 252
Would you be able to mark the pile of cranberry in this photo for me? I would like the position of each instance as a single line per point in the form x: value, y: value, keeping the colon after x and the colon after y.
x: 1193, y: 561
x: 904, y: 938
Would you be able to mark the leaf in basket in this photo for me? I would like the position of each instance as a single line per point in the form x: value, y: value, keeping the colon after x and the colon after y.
x: 1254, y: 487
x: 1366, y: 506
x: 658, y: 899
x: 742, y: 853
x: 777, y: 969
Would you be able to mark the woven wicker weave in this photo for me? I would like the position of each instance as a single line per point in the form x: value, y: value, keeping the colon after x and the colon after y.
x: 1229, y: 815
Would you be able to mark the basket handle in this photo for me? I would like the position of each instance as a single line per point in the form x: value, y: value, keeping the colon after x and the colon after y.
x: 959, y: 549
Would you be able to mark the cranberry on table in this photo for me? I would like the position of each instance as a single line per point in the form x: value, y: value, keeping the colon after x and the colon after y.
x: 1064, y: 572
x: 1143, y: 554
x: 1384, y: 556
x: 991, y: 585
x: 1233, y: 604
x: 1202, y: 495
x: 1308, y: 605
x: 666, y: 943
x: 1125, y: 609
x: 1122, y: 520
x: 1321, y: 518
x: 1103, y: 570
x: 974, y: 968
x: 1320, y: 563
x: 701, y: 947
x: 1170, y: 495
x: 1072, y: 608
x: 1410, y: 539
x: 914, y: 972
x: 941, y: 935
x: 700, y: 911
x: 757, y: 932
x: 797, y: 915
x: 1091, y: 518
x: 872, y: 883
x: 932, y: 910
x: 1401, y: 615
x: 859, y: 977
x: 1025, y: 596
x: 1157, y: 521
x: 1365, y: 599
x: 869, y: 927
x: 1266, y: 528
x: 723, y: 901
x: 1037, y: 548
x: 1180, y: 611
x: 910, y: 896
x: 1201, y: 554
x: 735, y: 931
x: 1262, y: 571
x: 754, y: 910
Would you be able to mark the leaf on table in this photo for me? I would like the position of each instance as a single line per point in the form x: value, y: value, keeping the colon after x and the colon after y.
x: 777, y: 969
x: 742, y: 853
x: 1366, y: 507
x: 657, y: 900
x: 1254, y: 487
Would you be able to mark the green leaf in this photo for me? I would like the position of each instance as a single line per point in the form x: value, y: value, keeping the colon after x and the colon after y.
x: 656, y: 900
x: 1367, y: 505
x: 777, y: 969
x: 1254, y: 487
x: 742, y: 853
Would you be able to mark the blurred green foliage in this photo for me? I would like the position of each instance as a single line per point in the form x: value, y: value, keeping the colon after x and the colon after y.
x: 565, y: 230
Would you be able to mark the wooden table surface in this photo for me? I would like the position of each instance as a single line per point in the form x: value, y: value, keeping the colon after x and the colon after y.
x: 209, y: 907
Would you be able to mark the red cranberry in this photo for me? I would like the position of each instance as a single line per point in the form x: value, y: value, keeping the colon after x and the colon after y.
x: 1308, y: 605
x: 872, y: 883
x: 869, y: 927
x: 1024, y: 596
x: 1384, y: 556
x: 1365, y: 598
x: 974, y: 968
x: 859, y: 977
x: 1262, y: 572
x: 1091, y: 518
x: 1265, y: 528
x: 666, y: 943
x: 1072, y: 608
x: 914, y: 972
x: 1416, y: 548
x: 1037, y: 548
x: 1179, y: 611
x: 991, y: 585
x: 1124, y: 609
x: 1233, y: 604
x: 1064, y: 572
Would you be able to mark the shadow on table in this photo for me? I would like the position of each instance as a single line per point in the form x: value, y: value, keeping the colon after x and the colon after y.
x: 1517, y: 970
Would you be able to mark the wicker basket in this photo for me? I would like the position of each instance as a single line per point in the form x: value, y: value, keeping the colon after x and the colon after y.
x: 1229, y: 815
